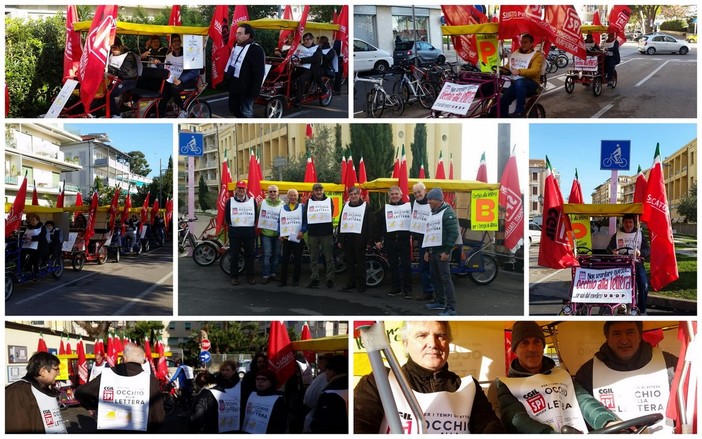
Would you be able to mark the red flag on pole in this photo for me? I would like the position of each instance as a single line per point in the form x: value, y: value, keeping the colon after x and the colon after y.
x: 640, y: 187
x: 306, y: 334
x: 117, y: 344
x: 240, y: 13
x: 68, y: 347
x: 41, y: 346
x: 82, y: 363
x: 440, y: 173
x: 72, y: 51
x: 465, y: 45
x: 565, y: 23
x: 482, y: 170
x: 254, y: 180
x: 145, y: 209
x: 175, y: 18
x: 14, y: 217
x: 664, y: 264
x: 555, y: 250
x: 35, y: 195
x: 125, y: 211
x: 99, y: 347
x: 169, y: 214
x: 308, y: 131
x: 403, y: 179
x: 351, y: 179
x: 310, y: 172
x: 79, y: 202
x: 61, y: 196
x: 687, y: 333
x: 154, y: 210
x: 149, y: 355
x: 422, y: 174
x: 396, y: 165
x: 114, y: 209
x: 343, y: 35
x: 362, y: 177
x: 283, y: 35
x: 92, y: 214
x: 576, y: 192
x: 110, y: 354
x: 450, y: 197
x: 296, y: 38
x: 62, y: 348
x: 162, y: 366
x: 596, y: 36
x: 343, y: 170
x: 220, y: 49
x: 511, y: 201
x: 281, y: 359
x: 95, y: 53
x: 223, y: 196
x: 618, y: 18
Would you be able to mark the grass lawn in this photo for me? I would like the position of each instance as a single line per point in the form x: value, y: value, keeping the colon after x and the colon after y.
x: 686, y: 286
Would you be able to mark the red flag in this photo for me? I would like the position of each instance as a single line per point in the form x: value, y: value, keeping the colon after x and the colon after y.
x: 287, y: 15
x: 175, y: 18
x: 125, y: 211
x: 450, y: 197
x: 310, y: 172
x: 519, y: 19
x: 687, y: 333
x: 149, y: 355
x: 343, y: 35
x: 145, y: 209
x: 664, y: 265
x: 640, y: 187
x: 14, y: 217
x: 350, y: 180
x: 618, y: 18
x: 92, y: 213
x: 396, y: 166
x: 440, y: 173
x: 154, y: 210
x: 565, y: 23
x: 82, y: 363
x: 482, y: 170
x: 281, y: 358
x: 169, y: 214
x: 97, y: 47
x: 223, y: 196
x: 362, y: 177
x: 72, y: 51
x: 35, y: 195
x: 511, y: 202
x: 308, y: 131
x: 254, y: 180
x: 110, y: 354
x: 576, y: 192
x: 422, y: 174
x: 296, y: 38
x: 61, y: 196
x: 68, y: 347
x: 596, y: 36
x: 114, y: 209
x: 79, y: 202
x: 403, y: 178
x: 99, y: 348
x: 306, y: 334
x: 240, y: 13
x: 555, y: 250
x: 162, y: 366
x: 220, y: 49
x: 343, y: 170
x: 41, y: 346
x: 465, y: 45
x: 62, y: 348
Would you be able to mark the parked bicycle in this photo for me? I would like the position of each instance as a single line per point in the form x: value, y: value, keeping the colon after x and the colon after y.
x: 414, y: 85
x: 186, y: 239
x: 556, y: 60
x: 377, y: 99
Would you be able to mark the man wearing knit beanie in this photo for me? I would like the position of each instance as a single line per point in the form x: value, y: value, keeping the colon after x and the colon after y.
x: 539, y: 397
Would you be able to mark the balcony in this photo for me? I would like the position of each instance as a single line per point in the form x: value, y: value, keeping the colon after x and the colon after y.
x: 110, y: 163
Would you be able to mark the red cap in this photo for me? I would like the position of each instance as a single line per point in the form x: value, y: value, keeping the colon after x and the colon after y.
x: 241, y: 183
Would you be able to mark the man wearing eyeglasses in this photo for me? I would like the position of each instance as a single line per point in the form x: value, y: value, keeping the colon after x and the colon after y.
x: 311, y: 59
x: 268, y: 218
x: 30, y: 403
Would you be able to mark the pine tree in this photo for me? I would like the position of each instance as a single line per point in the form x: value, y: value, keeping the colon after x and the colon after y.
x: 419, y: 151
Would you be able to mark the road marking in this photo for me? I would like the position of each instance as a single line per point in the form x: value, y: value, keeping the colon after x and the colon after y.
x: 218, y: 99
x: 139, y: 298
x: 602, y: 111
x: 546, y: 278
x: 304, y: 312
x: 38, y: 295
x: 651, y: 74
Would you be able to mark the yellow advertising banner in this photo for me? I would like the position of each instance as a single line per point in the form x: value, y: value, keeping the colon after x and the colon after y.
x: 487, y: 52
x: 484, y: 210
x: 581, y: 230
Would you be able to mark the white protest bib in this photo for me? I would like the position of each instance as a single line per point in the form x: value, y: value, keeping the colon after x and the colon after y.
x: 123, y: 402
x: 352, y: 219
x: 548, y: 398
x: 174, y: 64
x: 258, y: 413
x: 269, y: 216
x: 398, y: 218
x: 30, y: 233
x: 444, y: 412
x: 319, y: 212
x: 50, y: 412
x: 520, y: 60
x: 335, y: 60
x: 305, y: 52
x: 631, y: 240
x: 242, y: 214
x: 229, y: 408
x: 116, y: 61
x: 291, y: 222
x: 67, y: 246
x: 420, y: 216
x: 240, y: 54
x: 434, y: 231
x: 96, y: 370
x: 634, y: 393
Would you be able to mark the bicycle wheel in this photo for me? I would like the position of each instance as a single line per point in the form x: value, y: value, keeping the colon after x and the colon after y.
x: 376, y: 103
x: 427, y: 95
x: 551, y: 67
x: 401, y: 89
x: 561, y: 61
x: 200, y: 110
x: 169, y: 403
x: 396, y: 105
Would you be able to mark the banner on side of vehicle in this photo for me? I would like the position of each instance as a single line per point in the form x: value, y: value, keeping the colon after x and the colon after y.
x: 455, y: 98
x: 487, y: 52
x: 611, y: 285
x: 589, y: 64
x: 61, y: 99
x: 67, y: 246
x: 581, y: 230
x: 484, y: 210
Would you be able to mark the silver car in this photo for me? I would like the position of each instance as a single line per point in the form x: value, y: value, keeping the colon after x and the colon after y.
x: 664, y: 43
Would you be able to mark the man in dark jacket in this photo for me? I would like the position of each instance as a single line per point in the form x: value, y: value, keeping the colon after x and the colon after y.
x: 614, y: 376
x: 241, y: 216
x: 458, y: 404
x: 442, y: 234
x: 521, y: 401
x: 394, y: 235
x: 612, y: 58
x: 420, y: 213
x: 319, y: 215
x: 30, y: 403
x: 310, y: 67
x: 106, y: 395
x: 331, y: 411
x: 245, y: 70
x: 354, y: 236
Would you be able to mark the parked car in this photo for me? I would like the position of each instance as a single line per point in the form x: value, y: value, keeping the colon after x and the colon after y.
x: 368, y: 57
x: 418, y: 52
x: 534, y: 233
x: 664, y: 43
x: 243, y: 368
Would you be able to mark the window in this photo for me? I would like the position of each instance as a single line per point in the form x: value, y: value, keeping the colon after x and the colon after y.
x: 187, y: 326
x: 534, y: 176
x: 172, y: 326
x: 534, y: 190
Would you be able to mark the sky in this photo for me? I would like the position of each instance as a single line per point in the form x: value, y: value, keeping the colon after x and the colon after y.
x: 154, y: 140
x: 481, y: 136
x: 570, y: 146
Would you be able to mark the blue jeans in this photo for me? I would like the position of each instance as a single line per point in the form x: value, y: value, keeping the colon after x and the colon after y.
x: 443, y: 284
x: 247, y: 108
x: 271, y: 255
x: 519, y: 89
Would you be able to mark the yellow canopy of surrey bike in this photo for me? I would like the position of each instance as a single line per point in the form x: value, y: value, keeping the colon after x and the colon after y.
x: 324, y: 344
x: 278, y: 24
x: 125, y: 28
x: 603, y: 209
x: 84, y: 208
x: 284, y: 186
x: 470, y: 29
x: 445, y: 185
x: 593, y: 28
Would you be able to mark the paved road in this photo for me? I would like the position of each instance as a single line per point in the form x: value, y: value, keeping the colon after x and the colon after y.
x: 137, y: 285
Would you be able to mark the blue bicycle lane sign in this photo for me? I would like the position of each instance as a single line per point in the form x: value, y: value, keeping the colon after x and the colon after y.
x: 191, y: 144
x: 615, y: 155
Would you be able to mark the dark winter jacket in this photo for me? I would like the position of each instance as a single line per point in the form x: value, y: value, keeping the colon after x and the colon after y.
x: 250, y: 79
x: 369, y: 413
x: 240, y: 232
x: 449, y: 231
x: 204, y: 415
x: 381, y: 228
x: 21, y: 409
x: 331, y: 414
x: 354, y: 239
x: 41, y: 239
x: 278, y: 422
x: 321, y: 229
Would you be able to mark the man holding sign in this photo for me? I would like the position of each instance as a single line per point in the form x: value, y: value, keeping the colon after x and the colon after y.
x: 394, y: 235
x: 291, y: 230
x: 525, y: 67
x: 629, y: 240
x: 178, y: 79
